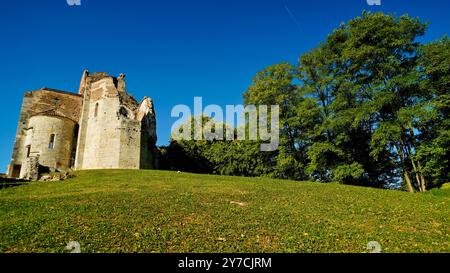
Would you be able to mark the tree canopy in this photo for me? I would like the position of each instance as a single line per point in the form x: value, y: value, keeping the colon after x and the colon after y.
x: 369, y: 106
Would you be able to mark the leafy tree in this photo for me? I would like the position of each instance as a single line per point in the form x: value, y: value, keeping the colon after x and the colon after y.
x: 275, y: 86
x: 434, y: 150
x: 369, y: 106
x: 382, y: 52
x: 223, y: 157
x: 188, y: 155
x: 341, y: 149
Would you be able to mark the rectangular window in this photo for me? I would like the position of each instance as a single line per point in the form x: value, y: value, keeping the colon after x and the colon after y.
x: 96, y: 110
x: 28, y: 150
x: 51, y: 144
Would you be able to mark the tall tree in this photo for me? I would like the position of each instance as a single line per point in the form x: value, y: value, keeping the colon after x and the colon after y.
x: 341, y: 150
x: 383, y: 53
x: 275, y: 86
x: 434, y: 151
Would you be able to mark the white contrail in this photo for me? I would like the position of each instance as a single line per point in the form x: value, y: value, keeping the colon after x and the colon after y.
x: 292, y: 17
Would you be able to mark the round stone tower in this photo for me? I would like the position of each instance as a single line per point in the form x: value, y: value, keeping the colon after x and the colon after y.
x: 51, y: 138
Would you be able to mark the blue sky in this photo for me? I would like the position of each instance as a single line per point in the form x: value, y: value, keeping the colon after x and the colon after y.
x: 170, y: 51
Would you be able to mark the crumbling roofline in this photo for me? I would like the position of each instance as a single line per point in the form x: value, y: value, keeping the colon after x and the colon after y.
x: 54, y: 90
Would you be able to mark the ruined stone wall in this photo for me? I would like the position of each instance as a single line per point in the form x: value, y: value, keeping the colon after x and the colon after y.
x: 130, y: 129
x: 147, y: 149
x: 147, y: 117
x: 130, y: 139
x: 30, y: 169
x: 17, y: 157
x: 35, y: 102
x: 67, y: 104
x: 100, y: 125
x: 111, y: 129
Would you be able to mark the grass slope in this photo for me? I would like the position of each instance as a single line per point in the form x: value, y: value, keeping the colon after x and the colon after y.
x: 156, y: 211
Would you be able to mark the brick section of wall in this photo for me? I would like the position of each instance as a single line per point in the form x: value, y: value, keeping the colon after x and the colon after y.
x: 47, y: 99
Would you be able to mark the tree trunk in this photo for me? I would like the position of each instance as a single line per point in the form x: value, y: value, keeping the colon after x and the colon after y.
x: 408, y: 181
x: 417, y: 166
x: 424, y: 184
x: 419, y: 177
x: 405, y: 169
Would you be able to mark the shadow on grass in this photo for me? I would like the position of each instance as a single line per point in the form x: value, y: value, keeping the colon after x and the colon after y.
x: 9, y: 183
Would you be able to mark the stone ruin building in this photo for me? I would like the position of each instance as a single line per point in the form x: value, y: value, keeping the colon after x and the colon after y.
x: 101, y: 127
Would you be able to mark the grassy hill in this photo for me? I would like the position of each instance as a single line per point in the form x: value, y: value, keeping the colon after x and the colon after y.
x: 156, y: 211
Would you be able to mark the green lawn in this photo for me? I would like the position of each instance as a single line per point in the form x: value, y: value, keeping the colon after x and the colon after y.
x: 156, y: 211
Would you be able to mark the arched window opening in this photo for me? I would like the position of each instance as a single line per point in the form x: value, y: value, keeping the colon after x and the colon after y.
x: 96, y: 110
x: 28, y: 150
x: 51, y: 144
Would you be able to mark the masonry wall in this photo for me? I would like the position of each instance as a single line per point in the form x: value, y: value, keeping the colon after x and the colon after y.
x: 100, y: 124
x: 17, y: 157
x: 101, y: 127
x: 146, y: 115
x: 130, y: 139
x: 41, y: 128
x: 35, y: 102
x: 147, y: 150
x: 111, y: 131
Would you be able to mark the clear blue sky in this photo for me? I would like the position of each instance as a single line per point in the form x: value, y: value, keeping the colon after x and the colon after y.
x: 169, y: 50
